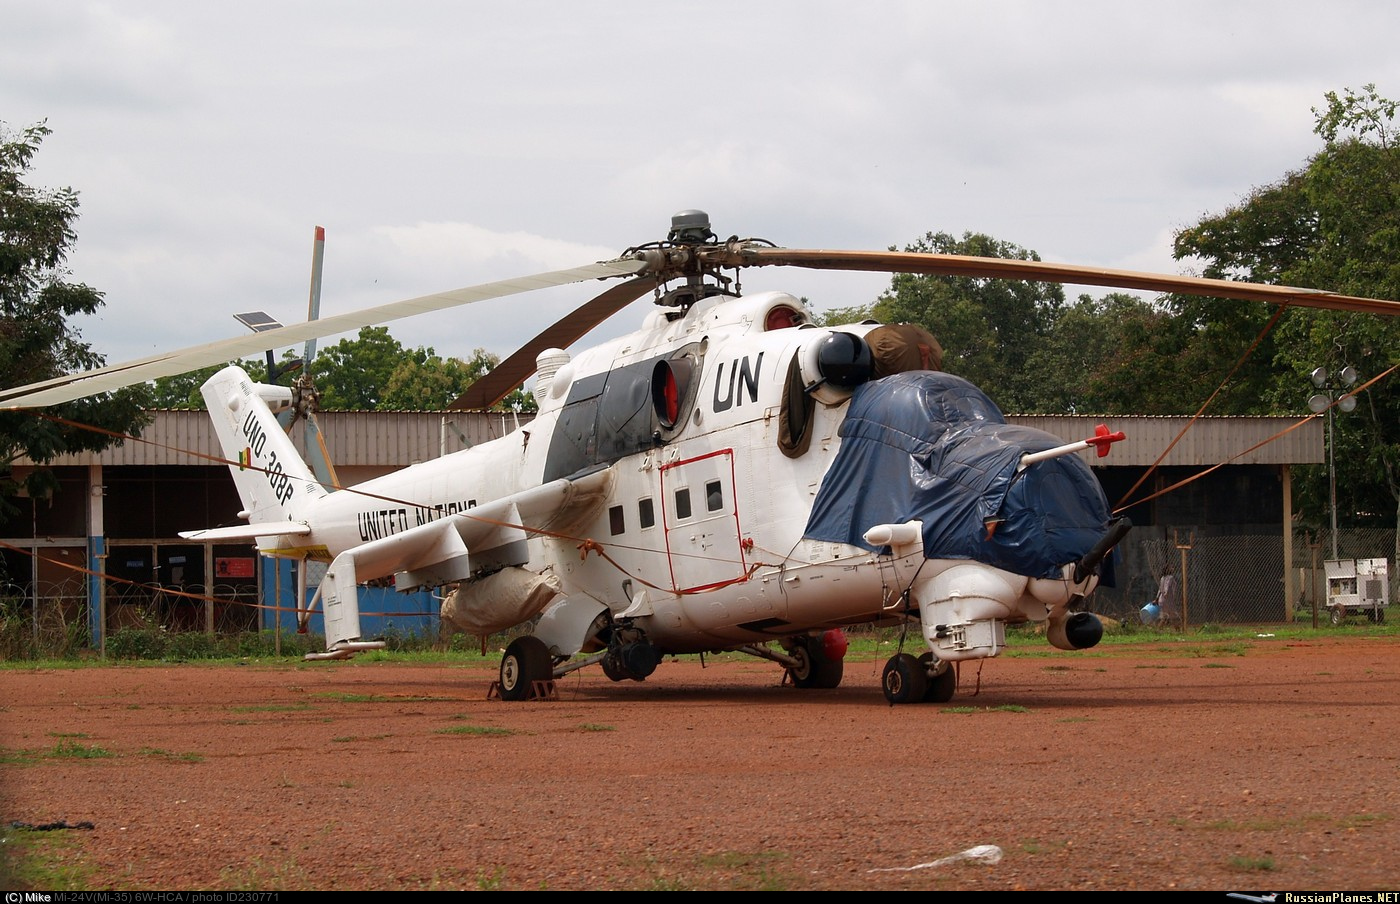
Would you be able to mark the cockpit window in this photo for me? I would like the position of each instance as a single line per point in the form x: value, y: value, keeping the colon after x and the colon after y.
x: 783, y: 317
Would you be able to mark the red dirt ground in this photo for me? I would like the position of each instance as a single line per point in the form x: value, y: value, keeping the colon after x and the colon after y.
x: 1228, y: 765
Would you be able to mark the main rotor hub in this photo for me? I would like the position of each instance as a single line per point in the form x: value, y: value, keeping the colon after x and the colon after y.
x: 691, y: 252
x: 690, y: 227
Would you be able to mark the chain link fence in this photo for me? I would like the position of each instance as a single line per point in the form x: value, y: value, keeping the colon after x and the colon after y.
x: 1237, y: 579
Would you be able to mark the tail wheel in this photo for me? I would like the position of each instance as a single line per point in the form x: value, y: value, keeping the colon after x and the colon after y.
x: 941, y: 685
x: 815, y: 666
x: 526, y: 661
x: 905, y: 679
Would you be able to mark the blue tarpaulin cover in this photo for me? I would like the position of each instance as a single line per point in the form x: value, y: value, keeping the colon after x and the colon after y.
x: 932, y: 447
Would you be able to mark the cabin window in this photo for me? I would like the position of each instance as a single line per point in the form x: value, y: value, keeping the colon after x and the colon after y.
x: 683, y: 502
x: 616, y: 522
x: 646, y: 512
x: 714, y: 496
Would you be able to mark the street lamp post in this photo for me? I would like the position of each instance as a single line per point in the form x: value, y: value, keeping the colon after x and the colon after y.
x: 1323, y: 401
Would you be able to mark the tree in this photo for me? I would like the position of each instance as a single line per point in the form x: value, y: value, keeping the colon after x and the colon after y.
x: 1334, y: 224
x: 429, y: 382
x: 36, y: 340
x: 182, y: 390
x: 1111, y: 355
x: 988, y: 327
x: 375, y: 372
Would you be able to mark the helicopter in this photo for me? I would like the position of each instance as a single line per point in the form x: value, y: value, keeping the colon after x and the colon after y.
x: 730, y: 476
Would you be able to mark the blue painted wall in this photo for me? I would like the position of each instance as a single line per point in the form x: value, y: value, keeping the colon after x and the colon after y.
x: 382, y: 609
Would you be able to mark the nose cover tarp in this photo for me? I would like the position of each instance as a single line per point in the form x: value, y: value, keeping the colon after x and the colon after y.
x: 930, y: 446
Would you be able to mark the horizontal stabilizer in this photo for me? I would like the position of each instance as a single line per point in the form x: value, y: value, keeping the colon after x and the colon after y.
x: 248, y: 531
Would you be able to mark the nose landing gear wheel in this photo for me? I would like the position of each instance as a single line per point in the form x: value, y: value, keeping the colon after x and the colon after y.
x: 905, y: 679
x: 941, y: 685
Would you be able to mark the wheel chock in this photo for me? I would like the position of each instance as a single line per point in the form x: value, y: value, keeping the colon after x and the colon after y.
x: 541, y: 690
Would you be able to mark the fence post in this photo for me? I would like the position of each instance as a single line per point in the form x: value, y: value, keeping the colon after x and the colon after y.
x: 1312, y: 578
x: 1184, y: 547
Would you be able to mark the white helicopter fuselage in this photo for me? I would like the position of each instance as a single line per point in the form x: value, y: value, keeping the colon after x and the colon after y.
x: 650, y: 489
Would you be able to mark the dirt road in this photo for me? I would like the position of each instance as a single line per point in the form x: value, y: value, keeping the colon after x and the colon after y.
x: 1229, y: 765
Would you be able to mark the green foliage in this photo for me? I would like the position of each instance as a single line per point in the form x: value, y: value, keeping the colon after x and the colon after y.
x: 988, y: 327
x: 72, y: 750
x: 150, y: 641
x: 374, y: 372
x: 137, y: 643
x: 182, y: 390
x: 36, y: 341
x: 1334, y: 224
x: 44, y: 861
x: 839, y: 316
x: 58, y: 633
x: 475, y: 730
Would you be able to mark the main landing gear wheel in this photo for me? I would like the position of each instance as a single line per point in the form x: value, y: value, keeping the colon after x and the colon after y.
x: 814, y: 667
x: 526, y: 661
x: 941, y: 685
x: 905, y: 679
x: 611, y: 669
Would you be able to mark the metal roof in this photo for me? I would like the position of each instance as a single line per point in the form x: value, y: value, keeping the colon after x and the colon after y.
x: 1208, y: 441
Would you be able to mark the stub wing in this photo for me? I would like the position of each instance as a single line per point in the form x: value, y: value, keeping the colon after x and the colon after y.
x: 457, y: 548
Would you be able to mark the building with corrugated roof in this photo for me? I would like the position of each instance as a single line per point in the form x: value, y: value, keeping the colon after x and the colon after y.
x: 117, y: 513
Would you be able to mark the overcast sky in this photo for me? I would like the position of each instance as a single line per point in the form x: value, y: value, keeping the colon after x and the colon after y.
x: 446, y: 144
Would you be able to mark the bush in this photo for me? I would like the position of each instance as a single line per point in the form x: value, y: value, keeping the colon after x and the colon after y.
x: 194, y: 645
x: 137, y: 643
x: 59, y: 634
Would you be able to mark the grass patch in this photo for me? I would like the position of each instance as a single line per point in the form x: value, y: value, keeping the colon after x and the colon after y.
x: 1003, y: 708
x: 1311, y: 820
x: 157, y: 753
x: 1217, y: 665
x: 758, y: 871
x: 346, y: 697
x: 75, y: 751
x: 153, y: 644
x: 272, y: 707
x: 590, y: 726
x: 1036, y: 846
x: 266, y: 875
x: 475, y: 730
x: 46, y: 861
x: 1252, y: 864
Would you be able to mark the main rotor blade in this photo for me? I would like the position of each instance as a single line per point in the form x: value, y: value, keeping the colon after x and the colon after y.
x: 106, y: 379
x: 313, y: 304
x: 1002, y: 268
x: 516, y: 369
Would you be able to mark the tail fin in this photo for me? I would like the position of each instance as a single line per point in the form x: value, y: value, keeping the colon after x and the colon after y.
x: 273, y: 480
